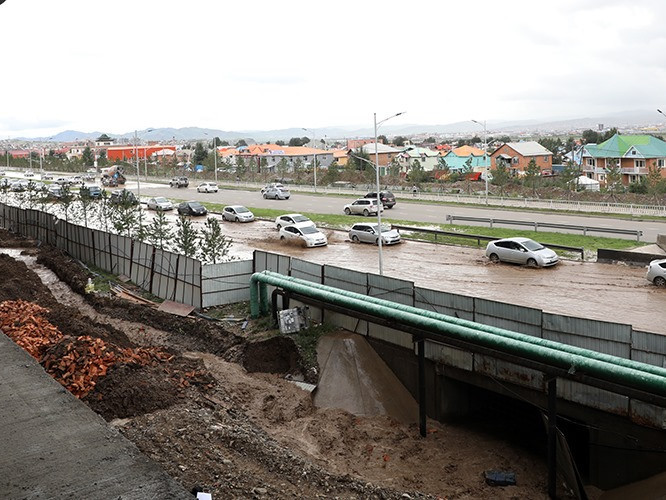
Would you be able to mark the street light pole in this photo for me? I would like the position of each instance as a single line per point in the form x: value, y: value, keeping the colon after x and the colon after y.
x: 379, y: 199
x: 138, y: 173
x: 314, y: 157
x: 485, y: 153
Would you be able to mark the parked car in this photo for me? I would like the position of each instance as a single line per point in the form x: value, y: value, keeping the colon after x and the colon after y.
x: 237, y: 213
x: 179, y: 182
x: 77, y: 179
x: 29, y: 173
x: 387, y: 198
x: 5, y: 183
x: 368, y: 232
x: 2, y: 172
x: 123, y: 197
x: 277, y: 185
x: 207, y: 187
x: 92, y: 192
x: 191, y: 208
x: 19, y: 185
x: 306, y: 232
x: 656, y: 272
x: 521, y: 251
x: 55, y: 191
x: 290, y: 219
x: 46, y: 176
x: 63, y: 180
x: 88, y: 177
x: 363, y: 206
x: 160, y: 203
x: 277, y: 193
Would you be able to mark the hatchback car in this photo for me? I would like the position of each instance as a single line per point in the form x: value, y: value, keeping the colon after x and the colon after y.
x: 55, y: 191
x: 290, y: 219
x: 123, y: 197
x: 369, y: 233
x: 237, y: 213
x: 277, y: 193
x: 191, y: 208
x: 160, y: 204
x: 363, y: 206
x: 207, y: 187
x: 521, y: 251
x: 179, y: 182
x: 306, y: 232
x: 656, y: 272
x: 387, y: 198
x: 277, y: 185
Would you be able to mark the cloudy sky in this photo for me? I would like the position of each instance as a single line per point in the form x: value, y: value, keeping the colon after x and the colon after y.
x: 258, y: 65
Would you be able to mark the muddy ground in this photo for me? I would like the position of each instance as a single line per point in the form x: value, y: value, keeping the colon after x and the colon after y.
x: 220, y: 416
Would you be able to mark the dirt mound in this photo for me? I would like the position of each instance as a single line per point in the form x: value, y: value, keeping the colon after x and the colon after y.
x: 20, y: 283
x: 275, y: 355
x: 9, y: 240
x: 66, y: 268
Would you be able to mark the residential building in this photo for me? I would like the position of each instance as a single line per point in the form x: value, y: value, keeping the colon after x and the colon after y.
x: 268, y: 156
x: 386, y: 154
x: 427, y: 158
x: 634, y: 154
x: 129, y: 153
x: 517, y: 156
x: 455, y: 163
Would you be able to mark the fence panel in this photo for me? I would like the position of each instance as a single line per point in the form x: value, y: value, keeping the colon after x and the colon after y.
x: 102, y: 256
x: 517, y: 318
x: 226, y: 283
x: 141, y: 267
x: 592, y: 397
x: 648, y: 348
x: 600, y: 336
x: 121, y: 251
x: 188, y: 283
x: 305, y: 270
x: 265, y: 261
x: 451, y: 304
x: 164, y: 274
x: 346, y: 279
x: 393, y: 289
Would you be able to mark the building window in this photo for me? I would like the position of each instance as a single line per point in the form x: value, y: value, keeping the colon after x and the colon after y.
x: 639, y: 163
x: 660, y: 163
x: 545, y: 158
x: 591, y: 162
x: 514, y: 160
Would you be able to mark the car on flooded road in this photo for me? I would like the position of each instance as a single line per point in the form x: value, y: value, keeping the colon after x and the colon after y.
x: 521, y: 251
x: 191, y: 208
x: 368, y: 232
x: 160, y: 203
x: 290, y: 219
x: 656, y: 272
x: 237, y: 213
x: 306, y: 232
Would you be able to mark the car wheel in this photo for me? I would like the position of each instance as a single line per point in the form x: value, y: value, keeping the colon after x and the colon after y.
x: 347, y: 211
x: 265, y: 197
x: 279, y: 226
x: 355, y: 239
x: 377, y: 242
x: 660, y: 281
x: 281, y: 237
x: 494, y: 258
x: 388, y: 206
x: 236, y: 219
x: 366, y: 213
x: 531, y: 263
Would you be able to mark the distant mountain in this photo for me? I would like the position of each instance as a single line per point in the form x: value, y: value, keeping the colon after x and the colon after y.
x: 621, y: 120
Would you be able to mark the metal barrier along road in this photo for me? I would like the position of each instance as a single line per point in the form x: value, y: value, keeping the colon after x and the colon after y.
x: 536, y: 225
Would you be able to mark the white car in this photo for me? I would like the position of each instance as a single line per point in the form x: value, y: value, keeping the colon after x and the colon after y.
x: 237, y: 213
x: 306, y: 232
x: 656, y: 272
x: 363, y: 206
x: 272, y: 185
x: 207, y: 187
x: 290, y: 219
x: 368, y: 232
x: 29, y: 173
x: 521, y: 251
x: 159, y: 203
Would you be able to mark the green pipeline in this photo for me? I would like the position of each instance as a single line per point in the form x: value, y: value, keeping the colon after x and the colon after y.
x: 627, y: 363
x: 585, y: 364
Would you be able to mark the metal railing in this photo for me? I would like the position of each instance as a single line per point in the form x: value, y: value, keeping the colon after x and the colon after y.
x: 480, y: 237
x: 536, y: 225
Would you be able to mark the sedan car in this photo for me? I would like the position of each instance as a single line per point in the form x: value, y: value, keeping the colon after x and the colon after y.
x: 387, y: 198
x: 29, y: 173
x: 290, y: 219
x: 656, y: 272
x: 123, y: 197
x: 369, y: 233
x: 207, y: 187
x: 46, y: 176
x: 191, y: 208
x: 306, y: 232
x: 363, y: 206
x: 159, y: 203
x: 277, y: 185
x: 277, y: 193
x: 237, y: 213
x: 521, y: 251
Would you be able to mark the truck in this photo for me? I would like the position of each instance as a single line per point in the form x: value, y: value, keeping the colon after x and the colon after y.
x: 113, y: 176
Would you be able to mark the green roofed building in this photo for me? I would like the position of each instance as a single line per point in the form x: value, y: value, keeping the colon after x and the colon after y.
x: 635, y: 155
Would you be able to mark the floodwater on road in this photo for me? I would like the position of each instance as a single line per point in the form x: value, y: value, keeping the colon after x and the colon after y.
x: 607, y: 292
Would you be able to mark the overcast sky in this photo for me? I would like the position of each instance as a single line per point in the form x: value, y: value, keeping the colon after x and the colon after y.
x: 257, y: 65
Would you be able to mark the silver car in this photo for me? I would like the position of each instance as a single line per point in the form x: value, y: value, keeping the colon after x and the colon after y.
x: 521, y: 251
x: 159, y: 203
x: 277, y: 193
x: 656, y: 272
x: 290, y: 219
x: 237, y: 213
x: 369, y: 233
x: 363, y: 206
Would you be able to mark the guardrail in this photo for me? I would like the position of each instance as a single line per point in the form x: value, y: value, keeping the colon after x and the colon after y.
x: 536, y: 225
x: 479, y: 237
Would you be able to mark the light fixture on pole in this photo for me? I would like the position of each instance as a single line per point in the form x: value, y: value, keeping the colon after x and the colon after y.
x: 485, y: 154
x: 314, y: 157
x: 379, y: 199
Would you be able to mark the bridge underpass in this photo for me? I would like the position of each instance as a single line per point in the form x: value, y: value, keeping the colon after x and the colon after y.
x: 609, y: 449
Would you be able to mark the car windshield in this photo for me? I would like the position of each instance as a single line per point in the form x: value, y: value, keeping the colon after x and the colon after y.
x: 300, y: 218
x: 385, y: 228
x: 196, y: 205
x: 532, y: 245
x: 161, y: 200
x: 241, y: 210
x: 309, y: 230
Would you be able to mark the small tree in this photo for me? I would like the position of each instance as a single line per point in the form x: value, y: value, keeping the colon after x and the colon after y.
x: 66, y: 201
x: 500, y: 176
x: 214, y: 245
x: 568, y: 177
x: 532, y: 174
x: 613, y: 178
x: 186, y: 237
x: 159, y: 231
x: 86, y: 202
x: 88, y: 158
x: 282, y: 168
x: 654, y: 181
x: 240, y: 166
x: 102, y: 160
x: 125, y: 216
x: 200, y: 154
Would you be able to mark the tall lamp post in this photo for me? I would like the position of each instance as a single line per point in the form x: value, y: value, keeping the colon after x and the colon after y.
x: 379, y: 199
x: 138, y: 171
x: 314, y: 157
x: 485, y: 153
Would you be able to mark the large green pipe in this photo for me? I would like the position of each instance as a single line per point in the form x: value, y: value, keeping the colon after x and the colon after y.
x: 628, y: 363
x: 603, y: 370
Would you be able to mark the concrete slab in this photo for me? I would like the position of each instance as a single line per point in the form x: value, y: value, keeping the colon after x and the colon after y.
x: 354, y: 378
x: 54, y: 446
